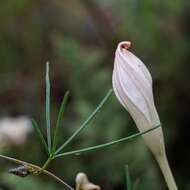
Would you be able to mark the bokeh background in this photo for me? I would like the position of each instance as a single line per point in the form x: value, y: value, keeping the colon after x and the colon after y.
x: 79, y: 38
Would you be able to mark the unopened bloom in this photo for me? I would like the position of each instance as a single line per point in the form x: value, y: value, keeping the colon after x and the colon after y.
x: 132, y: 84
x: 82, y: 183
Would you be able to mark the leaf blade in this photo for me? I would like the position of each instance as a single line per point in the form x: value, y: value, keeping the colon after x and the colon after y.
x: 59, y: 119
x: 96, y: 147
x: 128, y: 179
x: 47, y: 108
x: 86, y: 122
x: 37, y: 129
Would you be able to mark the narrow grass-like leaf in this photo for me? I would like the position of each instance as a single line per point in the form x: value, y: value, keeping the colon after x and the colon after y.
x: 128, y: 179
x: 85, y: 124
x: 37, y: 129
x: 59, y: 119
x: 136, y: 184
x: 48, y: 122
x: 92, y: 148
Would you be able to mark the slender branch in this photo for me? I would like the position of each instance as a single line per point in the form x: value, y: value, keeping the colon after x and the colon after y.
x: 14, y: 160
x: 36, y: 169
x: 92, y: 148
x: 47, y: 163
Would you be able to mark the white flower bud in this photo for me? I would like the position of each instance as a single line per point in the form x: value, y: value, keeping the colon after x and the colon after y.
x: 132, y: 84
x: 82, y: 183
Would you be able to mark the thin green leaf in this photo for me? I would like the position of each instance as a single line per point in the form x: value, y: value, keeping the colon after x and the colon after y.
x: 48, y: 122
x: 85, y: 124
x: 128, y: 179
x: 37, y: 129
x: 92, y: 148
x: 136, y: 184
x: 59, y: 119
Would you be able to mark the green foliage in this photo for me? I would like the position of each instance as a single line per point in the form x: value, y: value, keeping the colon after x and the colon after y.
x: 86, y: 122
x: 60, y: 119
x: 48, y: 121
x: 53, y: 153
x: 37, y: 129
x: 128, y: 178
x: 101, y: 146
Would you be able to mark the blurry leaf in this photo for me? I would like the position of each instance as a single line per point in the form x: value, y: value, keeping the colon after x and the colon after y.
x: 59, y: 119
x: 37, y: 129
x: 128, y: 179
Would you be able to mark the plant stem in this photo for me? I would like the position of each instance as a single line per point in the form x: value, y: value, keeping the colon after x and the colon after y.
x: 166, y: 171
x: 92, y: 148
x: 37, y: 169
x: 47, y: 163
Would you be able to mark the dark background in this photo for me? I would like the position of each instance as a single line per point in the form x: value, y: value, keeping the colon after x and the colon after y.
x: 79, y: 38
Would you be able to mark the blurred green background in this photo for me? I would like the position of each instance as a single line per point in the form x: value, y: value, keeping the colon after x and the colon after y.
x: 79, y: 38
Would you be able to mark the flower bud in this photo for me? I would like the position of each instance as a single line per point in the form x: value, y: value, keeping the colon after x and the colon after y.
x: 132, y: 84
x: 82, y: 183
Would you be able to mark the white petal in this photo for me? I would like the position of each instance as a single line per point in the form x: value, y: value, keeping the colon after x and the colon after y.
x: 132, y: 84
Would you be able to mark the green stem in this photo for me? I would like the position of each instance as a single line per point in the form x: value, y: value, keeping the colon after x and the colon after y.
x: 88, y: 149
x: 47, y: 163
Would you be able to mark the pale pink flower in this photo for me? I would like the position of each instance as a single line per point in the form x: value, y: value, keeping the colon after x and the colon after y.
x: 132, y: 84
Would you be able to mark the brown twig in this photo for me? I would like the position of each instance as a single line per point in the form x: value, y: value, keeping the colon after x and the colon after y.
x: 36, y: 170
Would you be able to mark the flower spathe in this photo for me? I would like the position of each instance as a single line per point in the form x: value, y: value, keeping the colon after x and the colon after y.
x: 132, y: 84
x: 82, y: 183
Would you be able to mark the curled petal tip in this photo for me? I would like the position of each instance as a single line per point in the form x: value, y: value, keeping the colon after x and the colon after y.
x: 124, y: 45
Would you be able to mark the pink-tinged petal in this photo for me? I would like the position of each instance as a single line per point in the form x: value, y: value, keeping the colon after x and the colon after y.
x: 135, y: 81
x: 132, y: 84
